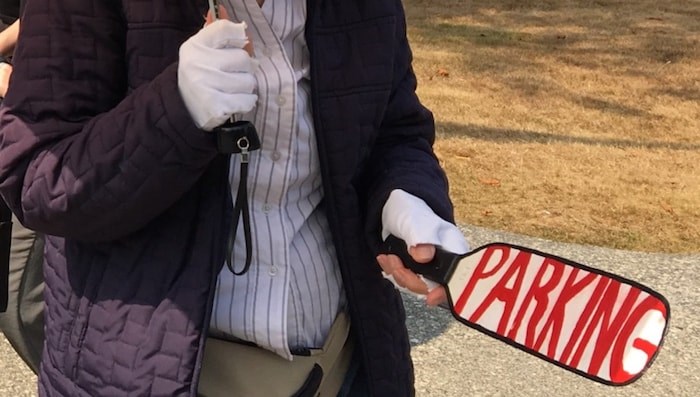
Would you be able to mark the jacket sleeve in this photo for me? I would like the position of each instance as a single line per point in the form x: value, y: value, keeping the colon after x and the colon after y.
x: 82, y: 156
x: 403, y: 157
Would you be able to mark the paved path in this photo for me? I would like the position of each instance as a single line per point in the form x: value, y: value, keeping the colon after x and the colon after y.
x: 452, y: 360
x: 16, y: 379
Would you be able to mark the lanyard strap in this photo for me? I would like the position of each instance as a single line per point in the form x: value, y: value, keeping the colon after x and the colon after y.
x: 241, y: 208
x: 246, y: 138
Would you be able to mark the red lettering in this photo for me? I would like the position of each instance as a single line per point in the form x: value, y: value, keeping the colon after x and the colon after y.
x: 504, y: 294
x: 540, y: 293
x: 618, y: 374
x: 480, y: 273
x: 593, y: 300
x: 608, y: 334
x: 608, y: 327
x: 555, y: 321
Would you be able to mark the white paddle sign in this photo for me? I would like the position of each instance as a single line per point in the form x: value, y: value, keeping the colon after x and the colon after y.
x: 591, y: 322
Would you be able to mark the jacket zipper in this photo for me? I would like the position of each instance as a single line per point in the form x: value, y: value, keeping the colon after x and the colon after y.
x: 217, y: 265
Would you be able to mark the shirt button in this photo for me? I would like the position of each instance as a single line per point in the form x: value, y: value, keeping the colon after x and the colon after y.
x: 267, y: 208
x: 273, y: 271
x: 276, y: 155
x: 266, y: 51
x: 281, y: 100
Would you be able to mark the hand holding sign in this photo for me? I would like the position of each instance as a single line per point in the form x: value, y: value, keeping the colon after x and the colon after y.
x: 410, y: 218
x: 593, y: 323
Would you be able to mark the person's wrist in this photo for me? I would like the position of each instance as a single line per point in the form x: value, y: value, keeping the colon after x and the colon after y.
x: 4, y: 76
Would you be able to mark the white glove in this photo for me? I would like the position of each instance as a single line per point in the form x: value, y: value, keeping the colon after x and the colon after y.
x: 216, y: 76
x: 412, y: 220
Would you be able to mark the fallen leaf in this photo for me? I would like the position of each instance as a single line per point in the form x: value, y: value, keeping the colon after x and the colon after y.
x: 490, y: 181
x: 443, y: 72
x: 463, y: 154
x: 667, y: 208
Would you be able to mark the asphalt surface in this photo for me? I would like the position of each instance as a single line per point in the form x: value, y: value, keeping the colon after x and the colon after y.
x: 452, y: 360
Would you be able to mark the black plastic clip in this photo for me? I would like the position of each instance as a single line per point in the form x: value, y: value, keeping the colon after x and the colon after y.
x: 237, y: 137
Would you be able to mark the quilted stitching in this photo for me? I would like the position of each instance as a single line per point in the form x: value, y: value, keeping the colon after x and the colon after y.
x: 126, y: 317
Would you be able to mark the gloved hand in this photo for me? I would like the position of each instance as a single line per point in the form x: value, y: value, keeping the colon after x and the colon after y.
x: 412, y: 220
x: 216, y: 75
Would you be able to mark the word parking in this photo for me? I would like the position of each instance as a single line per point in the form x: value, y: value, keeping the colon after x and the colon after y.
x: 588, y: 321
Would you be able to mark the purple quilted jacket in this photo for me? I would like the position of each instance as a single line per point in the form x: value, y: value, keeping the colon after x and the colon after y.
x: 99, y: 153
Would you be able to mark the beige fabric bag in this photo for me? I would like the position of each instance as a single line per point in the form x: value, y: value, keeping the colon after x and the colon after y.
x: 233, y: 369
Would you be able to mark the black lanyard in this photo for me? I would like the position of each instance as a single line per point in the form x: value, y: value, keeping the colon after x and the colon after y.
x: 241, y: 138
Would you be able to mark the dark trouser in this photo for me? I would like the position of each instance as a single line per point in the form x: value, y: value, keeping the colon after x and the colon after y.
x: 23, y: 322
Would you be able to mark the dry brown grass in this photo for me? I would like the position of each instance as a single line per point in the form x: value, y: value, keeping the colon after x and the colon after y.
x: 576, y: 121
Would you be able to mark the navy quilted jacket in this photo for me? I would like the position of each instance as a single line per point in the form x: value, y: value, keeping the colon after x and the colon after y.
x: 99, y: 152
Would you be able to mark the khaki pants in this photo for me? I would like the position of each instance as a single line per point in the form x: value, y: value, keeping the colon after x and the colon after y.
x: 231, y: 369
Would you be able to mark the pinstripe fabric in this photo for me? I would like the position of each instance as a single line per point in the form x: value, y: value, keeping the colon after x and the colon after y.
x: 293, y: 290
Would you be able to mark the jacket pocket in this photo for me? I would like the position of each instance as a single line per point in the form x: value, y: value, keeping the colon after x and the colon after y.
x: 81, y: 314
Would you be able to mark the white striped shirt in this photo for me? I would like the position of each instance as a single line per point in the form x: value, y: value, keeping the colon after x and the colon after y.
x: 293, y: 290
